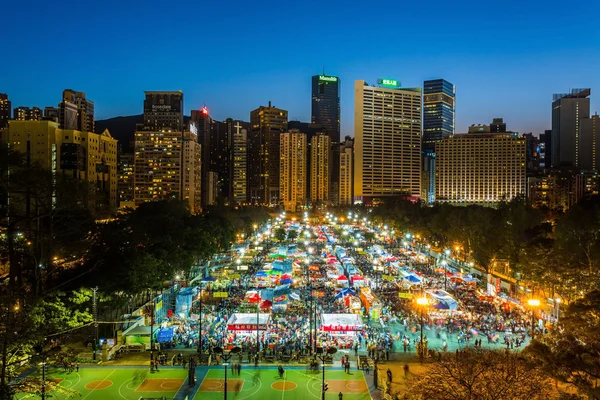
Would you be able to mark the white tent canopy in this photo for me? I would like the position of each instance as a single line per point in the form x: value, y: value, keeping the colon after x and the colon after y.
x: 341, y: 322
x: 247, y: 322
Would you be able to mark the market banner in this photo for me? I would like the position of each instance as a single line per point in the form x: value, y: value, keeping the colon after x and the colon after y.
x: 247, y: 327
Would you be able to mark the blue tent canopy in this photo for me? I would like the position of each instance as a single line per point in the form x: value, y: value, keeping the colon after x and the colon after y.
x: 165, y: 334
x: 208, y: 279
x: 260, y: 273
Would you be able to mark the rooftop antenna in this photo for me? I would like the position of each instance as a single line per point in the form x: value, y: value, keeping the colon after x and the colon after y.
x: 323, y: 69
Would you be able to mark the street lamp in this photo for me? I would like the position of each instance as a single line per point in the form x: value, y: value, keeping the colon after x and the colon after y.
x: 330, y: 351
x: 444, y: 263
x: 226, y: 357
x: 422, y: 302
x: 533, y: 303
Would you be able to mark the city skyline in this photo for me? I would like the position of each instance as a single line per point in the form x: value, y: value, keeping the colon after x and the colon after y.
x: 511, y: 73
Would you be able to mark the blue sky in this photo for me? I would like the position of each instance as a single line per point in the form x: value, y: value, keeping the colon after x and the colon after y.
x: 505, y: 58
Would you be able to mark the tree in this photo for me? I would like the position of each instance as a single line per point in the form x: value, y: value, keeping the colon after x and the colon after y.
x: 280, y: 234
x: 482, y: 375
x: 571, y: 351
x: 292, y: 235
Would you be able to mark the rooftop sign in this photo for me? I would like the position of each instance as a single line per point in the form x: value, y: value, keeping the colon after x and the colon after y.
x: 389, y: 82
x: 325, y: 78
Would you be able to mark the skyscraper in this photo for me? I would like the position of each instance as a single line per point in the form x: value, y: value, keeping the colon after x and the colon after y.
x: 546, y: 149
x: 439, y: 97
x: 163, y: 110
x: 76, y: 111
x: 201, y: 124
x: 567, y: 112
x: 4, y: 110
x: 325, y: 111
x: 590, y: 143
x: 292, y: 166
x: 320, y: 160
x: 346, y: 191
x: 239, y: 168
x: 480, y: 168
x: 167, y: 166
x: 263, y: 153
x: 387, y: 153
x: 27, y: 114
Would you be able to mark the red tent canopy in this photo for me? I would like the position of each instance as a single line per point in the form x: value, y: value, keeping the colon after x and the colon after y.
x: 286, y: 276
x: 254, y: 298
x: 342, y: 278
x: 265, y: 304
x: 357, y: 278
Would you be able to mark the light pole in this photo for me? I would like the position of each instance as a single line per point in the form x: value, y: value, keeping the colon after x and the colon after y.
x: 444, y: 263
x: 422, y: 302
x: 330, y: 351
x: 226, y: 357
x: 533, y: 303
x: 200, y: 324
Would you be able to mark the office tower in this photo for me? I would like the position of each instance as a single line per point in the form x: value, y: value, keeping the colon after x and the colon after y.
x: 240, y: 163
x: 27, y: 114
x: 439, y: 107
x: 568, y: 110
x: 480, y: 168
x: 320, y: 161
x: 167, y: 166
x: 76, y: 111
x: 83, y: 155
x: 163, y: 110
x: 201, y: 124
x: 5, y: 109
x: 51, y: 113
x: 125, y: 188
x: 590, y: 143
x: 325, y: 111
x: 387, y: 152
x: 439, y: 97
x: 292, y: 166
x: 263, y: 153
x: 346, y: 192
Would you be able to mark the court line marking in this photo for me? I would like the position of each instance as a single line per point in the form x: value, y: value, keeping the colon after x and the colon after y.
x: 120, y: 387
x: 92, y: 391
x: 254, y: 378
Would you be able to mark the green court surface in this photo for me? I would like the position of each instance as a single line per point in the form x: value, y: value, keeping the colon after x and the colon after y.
x: 135, y: 383
x: 297, y: 384
x: 112, y: 383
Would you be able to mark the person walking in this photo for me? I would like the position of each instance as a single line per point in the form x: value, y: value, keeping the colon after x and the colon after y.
x: 389, y: 375
x: 239, y: 369
x: 340, y: 396
x: 281, y: 371
x: 77, y: 367
x: 406, y: 371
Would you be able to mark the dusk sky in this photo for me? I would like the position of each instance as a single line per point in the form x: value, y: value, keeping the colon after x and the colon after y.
x: 505, y: 58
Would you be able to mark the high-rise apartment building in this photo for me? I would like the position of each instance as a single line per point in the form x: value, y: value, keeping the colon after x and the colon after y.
x: 163, y: 110
x: 568, y: 110
x: 292, y: 165
x: 590, y: 143
x: 480, y: 168
x: 5, y: 109
x: 83, y: 155
x: 263, y: 153
x: 556, y: 189
x: 76, y: 111
x: 387, y: 152
x: 320, y: 166
x: 22, y: 113
x: 167, y: 166
x: 532, y: 151
x: 346, y: 190
x: 125, y: 188
x: 239, y: 168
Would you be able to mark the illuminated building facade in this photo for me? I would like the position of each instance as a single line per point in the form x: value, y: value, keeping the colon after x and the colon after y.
x: 387, y: 140
x: 480, y: 168
x: 292, y: 166
x: 320, y: 160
